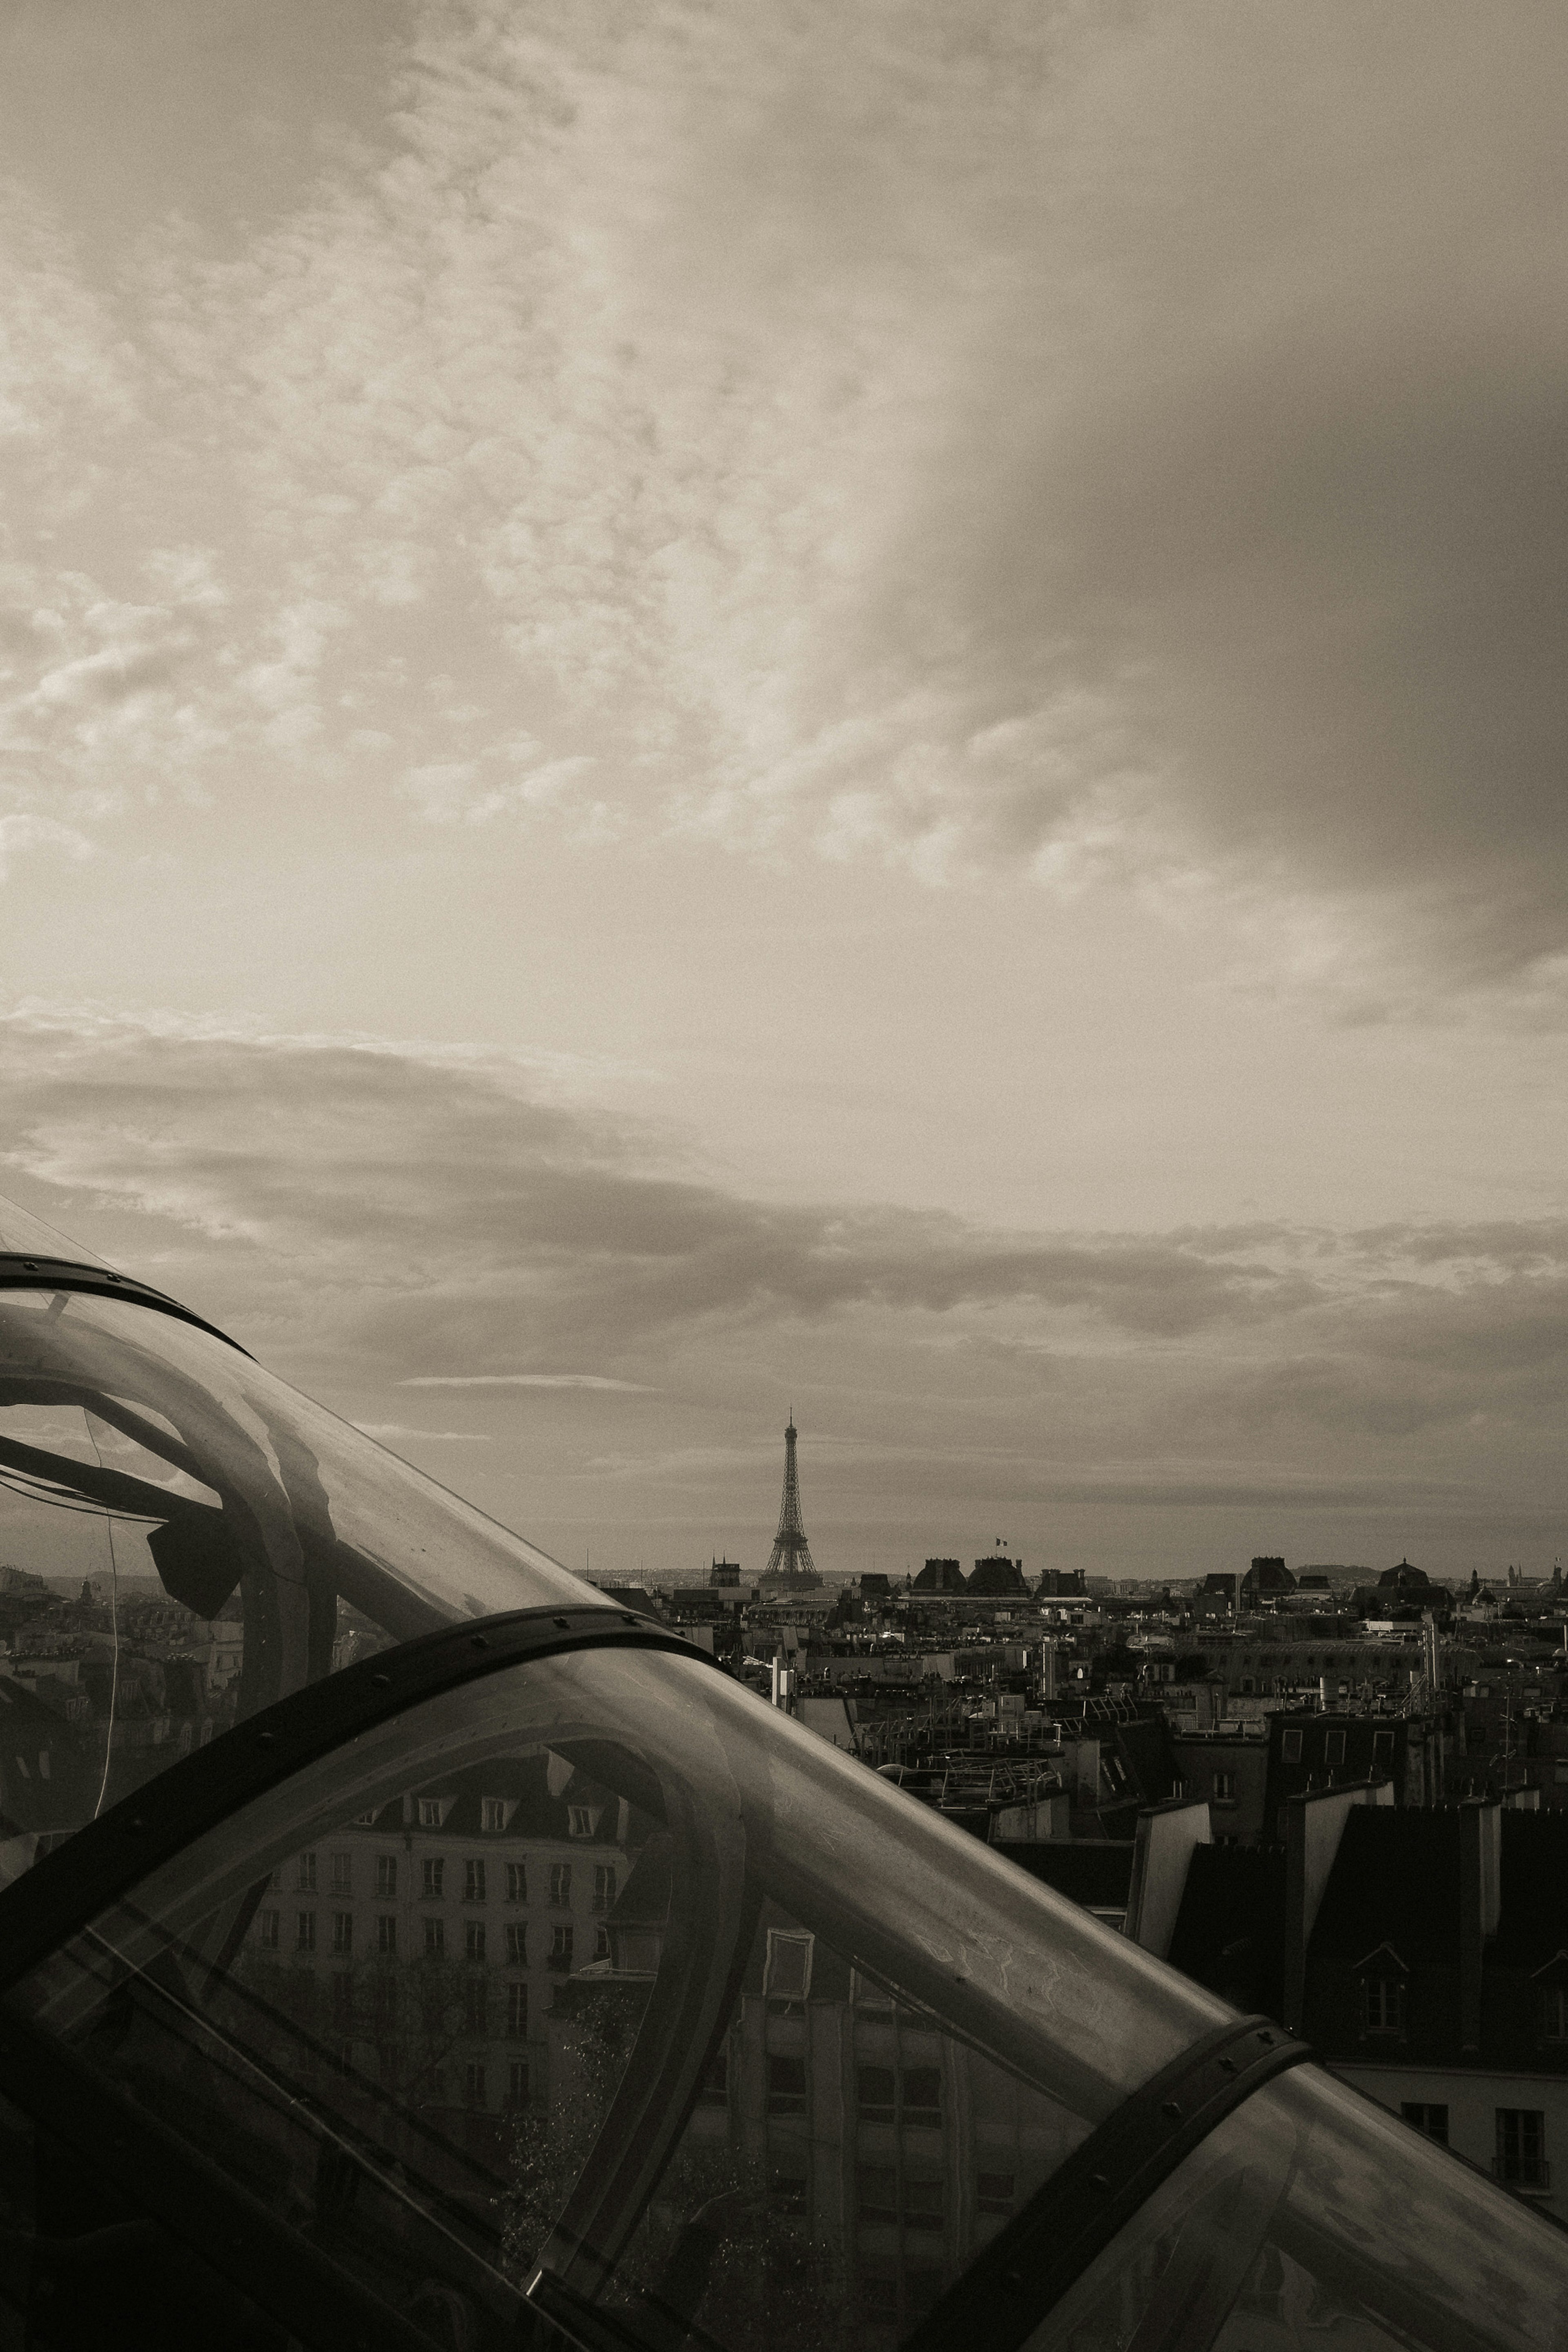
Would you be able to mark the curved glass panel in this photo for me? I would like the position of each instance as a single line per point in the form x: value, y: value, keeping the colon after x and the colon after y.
x: 184, y: 1539
x: 22, y: 1234
x: 601, y: 1965
x: 1313, y: 2218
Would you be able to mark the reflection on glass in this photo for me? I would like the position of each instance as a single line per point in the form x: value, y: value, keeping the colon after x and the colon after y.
x: 529, y: 1980
x: 182, y: 1540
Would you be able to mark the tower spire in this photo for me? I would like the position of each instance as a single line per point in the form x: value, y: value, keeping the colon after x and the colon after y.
x: 791, y: 1556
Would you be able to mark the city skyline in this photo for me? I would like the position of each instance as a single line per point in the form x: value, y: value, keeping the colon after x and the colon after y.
x: 864, y: 707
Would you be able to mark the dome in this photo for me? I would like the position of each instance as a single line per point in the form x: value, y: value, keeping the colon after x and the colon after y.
x: 488, y: 1968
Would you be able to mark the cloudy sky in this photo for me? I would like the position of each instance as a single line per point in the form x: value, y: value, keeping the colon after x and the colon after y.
x: 712, y: 704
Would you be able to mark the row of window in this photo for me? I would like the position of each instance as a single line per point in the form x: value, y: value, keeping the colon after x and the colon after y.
x: 1520, y: 2158
x: 1334, y: 1748
x: 1385, y: 2007
x: 912, y: 2095
x: 268, y: 1935
x: 433, y: 1880
x: 495, y: 1815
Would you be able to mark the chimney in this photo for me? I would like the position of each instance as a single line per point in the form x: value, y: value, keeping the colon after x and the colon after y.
x: 1481, y: 1901
x: 1165, y: 1839
x: 1314, y: 1824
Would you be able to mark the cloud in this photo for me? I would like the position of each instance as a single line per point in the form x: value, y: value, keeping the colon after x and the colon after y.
x: 939, y: 1367
x: 1114, y: 450
x: 517, y: 1380
x: 387, y: 1430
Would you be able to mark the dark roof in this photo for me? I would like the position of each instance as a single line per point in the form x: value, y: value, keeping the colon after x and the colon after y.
x: 1533, y: 1922
x: 1396, y: 1880
x: 996, y: 1576
x: 1086, y: 1870
x: 1230, y: 1930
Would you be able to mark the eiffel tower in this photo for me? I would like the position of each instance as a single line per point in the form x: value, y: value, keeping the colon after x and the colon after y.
x: 790, y: 1562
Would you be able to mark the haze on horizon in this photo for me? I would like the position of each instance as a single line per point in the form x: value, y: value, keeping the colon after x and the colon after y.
x: 712, y: 704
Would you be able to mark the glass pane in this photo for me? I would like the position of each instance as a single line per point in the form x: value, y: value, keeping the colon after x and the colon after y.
x: 1311, y: 2217
x: 681, y: 2126
x: 184, y: 1539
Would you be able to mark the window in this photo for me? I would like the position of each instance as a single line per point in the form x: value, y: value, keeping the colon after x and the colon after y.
x: 493, y: 1812
x: 473, y: 1882
x: 386, y: 1934
x: 307, y: 1877
x: 476, y: 2006
x: 342, y: 1931
x: 473, y: 1939
x: 266, y: 1926
x: 921, y: 2091
x: 1433, y: 2121
x: 386, y: 1877
x: 517, y: 1945
x: 879, y: 2298
x: 343, y: 1999
x: 559, y: 1884
x: 716, y: 2081
x: 786, y: 1973
x: 474, y: 2082
x: 430, y: 1812
x: 877, y: 2193
x: 786, y: 2086
x: 582, y: 1821
x: 993, y: 2192
x: 1560, y: 1772
x: 874, y: 2093
x: 924, y: 2201
x: 601, y: 1943
x: 434, y: 1878
x: 342, y: 1873
x: 1383, y: 1751
x: 1333, y: 1747
x: 560, y: 1958
x: 517, y: 1882
x: 435, y: 1938
x: 1291, y: 1748
x: 1554, y: 2013
x: 365, y: 1821
x: 305, y: 1932
x: 604, y: 1885
x: 1382, y: 2004
x: 517, y: 2011
x: 1225, y: 1788
x: 1521, y: 2147
x: 517, y: 2083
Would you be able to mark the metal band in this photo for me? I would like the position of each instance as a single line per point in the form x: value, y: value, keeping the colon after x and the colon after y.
x: 107, y: 1857
x: 1007, y: 2291
x: 19, y: 1273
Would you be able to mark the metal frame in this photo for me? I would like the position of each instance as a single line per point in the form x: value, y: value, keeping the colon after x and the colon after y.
x: 35, y: 1272
x: 1025, y: 2270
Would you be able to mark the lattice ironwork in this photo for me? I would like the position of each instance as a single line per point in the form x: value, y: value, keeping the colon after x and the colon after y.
x: 791, y: 1555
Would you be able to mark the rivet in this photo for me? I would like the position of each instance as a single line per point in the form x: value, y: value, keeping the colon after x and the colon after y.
x: 1014, y: 2281
x: 31, y: 1265
x: 138, y: 1824
x: 1227, y: 2065
x: 1098, y: 2180
x: 1266, y: 2037
x: 1173, y: 2110
x: 380, y: 1682
x: 478, y: 1643
x: 264, y: 1738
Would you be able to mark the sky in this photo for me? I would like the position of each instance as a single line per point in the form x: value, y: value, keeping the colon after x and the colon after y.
x: 712, y: 706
